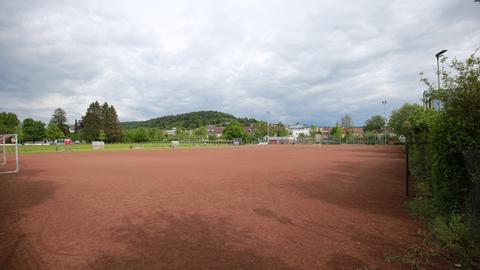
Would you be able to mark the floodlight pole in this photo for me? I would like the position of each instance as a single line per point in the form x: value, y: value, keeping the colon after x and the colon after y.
x: 384, y: 102
x: 4, y: 161
x: 268, y: 127
x: 438, y: 55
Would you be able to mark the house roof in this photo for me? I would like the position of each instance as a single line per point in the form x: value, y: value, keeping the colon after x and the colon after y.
x: 298, y: 126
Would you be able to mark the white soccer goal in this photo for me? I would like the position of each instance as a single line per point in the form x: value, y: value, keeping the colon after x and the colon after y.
x: 9, y: 162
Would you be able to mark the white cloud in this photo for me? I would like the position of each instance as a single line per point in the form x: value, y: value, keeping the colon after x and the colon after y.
x: 304, y: 61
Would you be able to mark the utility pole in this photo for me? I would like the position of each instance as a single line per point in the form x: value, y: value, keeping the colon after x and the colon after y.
x: 268, y: 126
x: 384, y: 102
x: 440, y: 53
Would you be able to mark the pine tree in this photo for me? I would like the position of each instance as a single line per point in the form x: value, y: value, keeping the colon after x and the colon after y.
x: 116, y: 128
x: 92, y: 122
x: 59, y: 118
x: 111, y: 125
x: 101, y: 118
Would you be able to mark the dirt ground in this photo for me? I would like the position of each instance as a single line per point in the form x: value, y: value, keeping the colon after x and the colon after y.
x: 250, y: 207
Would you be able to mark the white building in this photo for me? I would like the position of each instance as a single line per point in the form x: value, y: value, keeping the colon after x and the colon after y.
x: 171, y: 132
x: 298, y: 129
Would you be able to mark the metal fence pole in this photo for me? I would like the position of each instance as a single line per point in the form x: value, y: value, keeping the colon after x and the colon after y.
x: 16, y: 153
x: 4, y: 152
x: 407, y: 172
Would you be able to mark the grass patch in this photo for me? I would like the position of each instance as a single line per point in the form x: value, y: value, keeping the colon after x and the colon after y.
x: 114, y: 146
x: 449, y: 237
x: 416, y: 257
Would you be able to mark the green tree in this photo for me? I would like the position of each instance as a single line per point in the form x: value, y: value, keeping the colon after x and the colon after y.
x: 33, y: 130
x: 140, y: 135
x: 59, y: 118
x: 261, y: 130
x: 53, y: 132
x: 279, y: 130
x: 313, y: 131
x: 375, y: 123
x: 337, y: 132
x: 19, y: 132
x: 8, y: 123
x: 200, y: 133
x: 92, y: 122
x: 400, y: 119
x: 102, y: 136
x: 234, y: 130
x: 111, y: 124
x: 181, y: 134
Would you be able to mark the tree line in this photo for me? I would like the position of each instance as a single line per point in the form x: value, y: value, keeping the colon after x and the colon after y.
x: 100, y: 122
x: 190, y: 121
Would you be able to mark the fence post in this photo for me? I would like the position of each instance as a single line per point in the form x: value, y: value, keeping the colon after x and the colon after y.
x: 407, y: 172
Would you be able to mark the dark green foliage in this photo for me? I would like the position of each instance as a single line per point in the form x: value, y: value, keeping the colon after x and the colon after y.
x: 200, y: 133
x: 337, y: 133
x: 92, y: 122
x: 445, y: 150
x: 400, y: 118
x: 375, y: 123
x: 137, y: 135
x: 53, y: 132
x: 234, y: 130
x: 33, y: 130
x: 189, y: 121
x: 279, y: 130
x: 261, y: 129
x: 8, y: 123
x: 111, y: 125
x: 59, y: 118
x: 101, y: 118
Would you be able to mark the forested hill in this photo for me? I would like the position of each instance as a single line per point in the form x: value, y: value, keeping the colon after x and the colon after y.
x: 189, y: 120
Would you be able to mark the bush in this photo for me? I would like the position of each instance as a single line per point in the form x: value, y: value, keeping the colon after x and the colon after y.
x: 458, y: 236
x: 444, y: 148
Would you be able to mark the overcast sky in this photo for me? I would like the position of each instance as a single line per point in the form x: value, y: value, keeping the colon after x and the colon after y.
x: 302, y: 61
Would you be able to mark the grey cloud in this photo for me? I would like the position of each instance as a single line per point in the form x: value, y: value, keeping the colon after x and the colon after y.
x: 303, y: 61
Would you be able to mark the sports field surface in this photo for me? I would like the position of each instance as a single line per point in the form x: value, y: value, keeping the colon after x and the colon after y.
x: 249, y: 207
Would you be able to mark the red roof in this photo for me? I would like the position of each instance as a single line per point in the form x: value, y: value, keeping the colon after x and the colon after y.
x: 215, y: 130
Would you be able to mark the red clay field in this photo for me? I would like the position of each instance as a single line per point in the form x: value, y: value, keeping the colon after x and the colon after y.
x: 251, y: 207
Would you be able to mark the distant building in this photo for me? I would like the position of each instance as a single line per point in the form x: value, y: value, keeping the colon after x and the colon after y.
x: 249, y: 129
x: 171, y: 132
x: 215, y: 131
x: 326, y: 131
x: 281, y: 140
x: 298, y: 129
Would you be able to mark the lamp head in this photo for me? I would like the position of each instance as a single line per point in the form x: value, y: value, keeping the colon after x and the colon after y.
x: 440, y: 53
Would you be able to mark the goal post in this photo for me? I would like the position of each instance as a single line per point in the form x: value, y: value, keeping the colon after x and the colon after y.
x: 9, y: 161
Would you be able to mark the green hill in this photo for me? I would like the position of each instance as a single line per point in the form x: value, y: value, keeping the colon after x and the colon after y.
x: 189, y: 120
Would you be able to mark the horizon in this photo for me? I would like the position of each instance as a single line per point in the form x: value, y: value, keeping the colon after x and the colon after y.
x: 304, y: 62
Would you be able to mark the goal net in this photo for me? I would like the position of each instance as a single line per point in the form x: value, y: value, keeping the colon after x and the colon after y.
x: 9, y: 162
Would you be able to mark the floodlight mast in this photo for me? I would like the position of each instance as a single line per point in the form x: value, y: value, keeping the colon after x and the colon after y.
x: 438, y: 55
x: 384, y: 102
x: 268, y: 126
x: 4, y: 161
